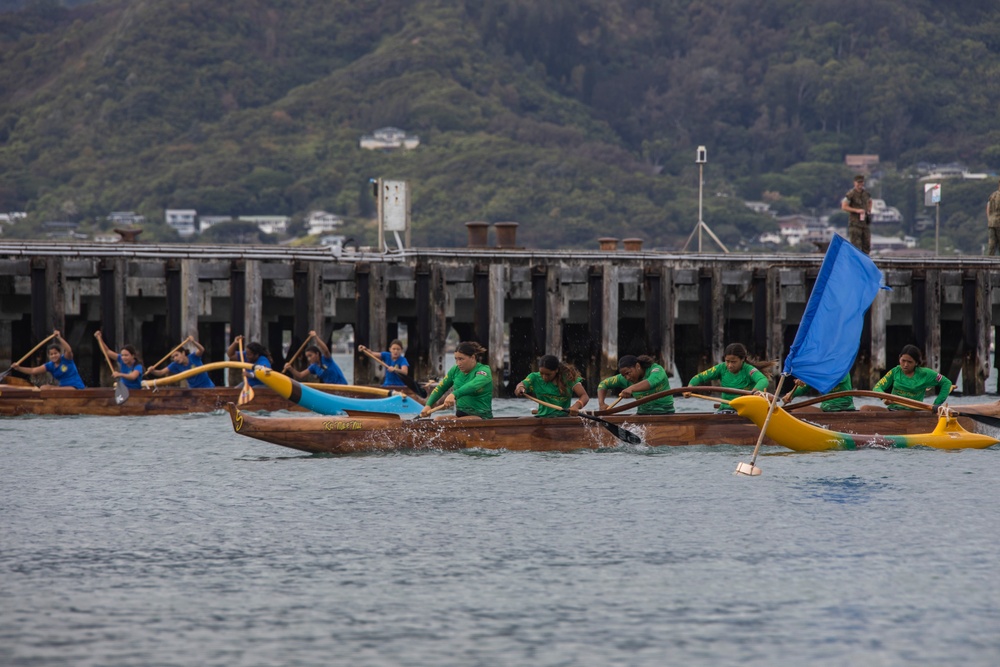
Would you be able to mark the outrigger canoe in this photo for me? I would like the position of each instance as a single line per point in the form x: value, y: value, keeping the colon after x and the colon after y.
x: 802, y: 436
x: 160, y: 398
x: 385, y: 433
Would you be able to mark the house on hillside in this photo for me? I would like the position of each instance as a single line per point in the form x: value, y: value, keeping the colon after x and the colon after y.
x: 182, y: 219
x: 885, y: 215
x: 268, y: 224
x: 861, y: 164
x: 321, y: 222
x: 126, y: 218
x: 207, y: 221
x: 389, y: 138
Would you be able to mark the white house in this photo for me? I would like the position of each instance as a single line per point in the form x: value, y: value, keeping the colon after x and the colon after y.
x: 206, y: 221
x: 183, y: 220
x: 388, y: 138
x: 321, y: 222
x: 269, y: 224
x: 882, y: 214
x: 126, y: 218
x: 794, y: 228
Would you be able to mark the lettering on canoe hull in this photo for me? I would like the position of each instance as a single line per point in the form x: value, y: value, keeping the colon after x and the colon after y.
x: 349, y: 425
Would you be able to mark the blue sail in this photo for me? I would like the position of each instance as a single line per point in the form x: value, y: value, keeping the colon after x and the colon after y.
x: 826, y: 343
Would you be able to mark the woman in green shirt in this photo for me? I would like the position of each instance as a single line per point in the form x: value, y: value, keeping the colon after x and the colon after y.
x: 556, y: 383
x: 842, y: 404
x: 911, y: 380
x: 471, y: 383
x: 735, y: 372
x: 637, y: 377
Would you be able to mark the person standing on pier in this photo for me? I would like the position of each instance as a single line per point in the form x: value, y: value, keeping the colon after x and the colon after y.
x: 129, y: 367
x: 472, y: 395
x: 858, y: 203
x: 254, y: 353
x: 637, y: 377
x: 993, y: 223
x: 910, y: 379
x: 60, y: 365
x: 737, y: 371
x: 321, y: 363
x: 181, y: 360
x: 557, y: 383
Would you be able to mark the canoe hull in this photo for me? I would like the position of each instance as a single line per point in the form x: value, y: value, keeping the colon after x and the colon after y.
x: 801, y: 436
x: 359, y: 434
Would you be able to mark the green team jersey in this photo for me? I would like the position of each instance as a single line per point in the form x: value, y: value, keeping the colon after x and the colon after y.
x: 658, y: 381
x: 841, y: 404
x: 473, y: 390
x: 748, y: 378
x: 896, y: 383
x: 550, y: 393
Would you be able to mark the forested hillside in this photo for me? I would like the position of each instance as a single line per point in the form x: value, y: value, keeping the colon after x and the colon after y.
x: 579, y: 119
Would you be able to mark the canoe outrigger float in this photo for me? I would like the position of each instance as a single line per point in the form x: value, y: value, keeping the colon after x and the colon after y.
x: 802, y: 436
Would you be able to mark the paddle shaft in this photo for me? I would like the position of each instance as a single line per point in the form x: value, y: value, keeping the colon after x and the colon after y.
x: 770, y: 411
x: 671, y: 392
x: 619, y: 432
x: 165, y: 357
x: 25, y: 357
x: 121, y: 391
x: 404, y: 377
x: 246, y: 393
x: 299, y: 351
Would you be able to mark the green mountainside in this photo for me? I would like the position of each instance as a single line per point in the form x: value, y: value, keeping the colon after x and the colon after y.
x: 577, y: 119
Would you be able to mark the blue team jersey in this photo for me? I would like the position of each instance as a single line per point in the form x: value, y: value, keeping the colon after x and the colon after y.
x: 391, y: 379
x: 328, y: 371
x: 199, y: 381
x: 122, y: 368
x: 261, y: 361
x: 65, y: 373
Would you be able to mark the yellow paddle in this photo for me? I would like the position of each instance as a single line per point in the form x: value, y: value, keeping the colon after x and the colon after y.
x: 246, y: 393
x: 167, y: 356
x: 298, y: 351
x: 25, y: 357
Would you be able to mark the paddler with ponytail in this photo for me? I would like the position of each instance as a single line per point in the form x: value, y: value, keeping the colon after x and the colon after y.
x: 736, y: 371
x: 637, y: 377
x: 557, y: 383
x: 472, y: 383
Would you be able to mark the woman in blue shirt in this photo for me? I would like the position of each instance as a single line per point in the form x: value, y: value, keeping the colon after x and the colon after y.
x: 254, y: 353
x: 129, y: 367
x: 60, y: 365
x: 321, y: 364
x: 181, y: 360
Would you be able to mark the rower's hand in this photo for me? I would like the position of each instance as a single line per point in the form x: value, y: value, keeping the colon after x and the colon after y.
x: 787, y: 397
x: 287, y: 366
x: 519, y: 389
x: 55, y: 332
x: 626, y: 392
x: 449, y: 400
x: 601, y: 405
x: 362, y: 348
x: 686, y: 394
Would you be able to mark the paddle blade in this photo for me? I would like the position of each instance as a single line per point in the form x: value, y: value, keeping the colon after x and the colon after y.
x: 983, y: 419
x: 748, y: 469
x: 621, y: 433
x: 246, y: 395
x: 5, y: 374
x: 121, y: 393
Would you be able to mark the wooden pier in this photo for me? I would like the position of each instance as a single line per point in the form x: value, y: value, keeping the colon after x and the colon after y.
x: 588, y: 307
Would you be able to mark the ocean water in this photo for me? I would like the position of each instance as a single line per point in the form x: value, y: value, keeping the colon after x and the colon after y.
x: 174, y: 541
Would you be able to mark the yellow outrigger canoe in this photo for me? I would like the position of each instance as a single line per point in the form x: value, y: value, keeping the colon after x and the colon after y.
x: 801, y: 436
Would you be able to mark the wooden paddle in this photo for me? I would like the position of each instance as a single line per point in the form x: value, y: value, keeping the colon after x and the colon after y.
x: 405, y: 377
x: 25, y: 357
x: 750, y: 469
x: 670, y: 392
x: 298, y: 351
x: 246, y: 393
x: 439, y: 406
x: 121, y: 391
x: 622, y: 434
x: 167, y: 356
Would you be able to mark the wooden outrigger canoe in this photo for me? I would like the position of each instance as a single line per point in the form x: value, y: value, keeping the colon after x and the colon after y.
x: 385, y: 433
x: 801, y: 436
x: 160, y: 398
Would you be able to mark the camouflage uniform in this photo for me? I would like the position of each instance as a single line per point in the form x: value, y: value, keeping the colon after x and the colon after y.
x: 993, y: 218
x: 859, y: 232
